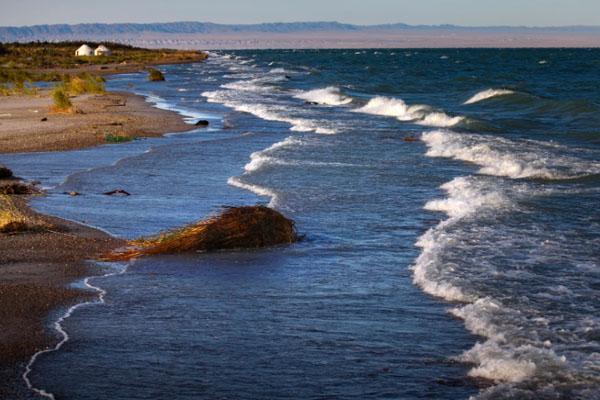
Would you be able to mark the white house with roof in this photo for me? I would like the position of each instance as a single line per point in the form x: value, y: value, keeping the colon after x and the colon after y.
x: 102, y: 50
x: 84, y: 51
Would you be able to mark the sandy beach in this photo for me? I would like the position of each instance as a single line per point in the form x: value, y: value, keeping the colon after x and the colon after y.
x: 28, y: 124
x: 37, y: 267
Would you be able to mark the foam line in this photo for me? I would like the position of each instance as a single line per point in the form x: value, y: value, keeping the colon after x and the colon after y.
x: 63, y: 333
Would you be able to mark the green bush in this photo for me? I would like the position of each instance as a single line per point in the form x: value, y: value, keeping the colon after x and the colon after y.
x: 155, y: 75
x: 116, y: 138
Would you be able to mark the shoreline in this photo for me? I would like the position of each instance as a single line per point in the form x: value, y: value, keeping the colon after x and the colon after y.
x: 37, y: 267
x: 28, y: 125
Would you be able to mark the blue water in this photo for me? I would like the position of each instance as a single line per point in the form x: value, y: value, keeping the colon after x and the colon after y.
x: 449, y: 202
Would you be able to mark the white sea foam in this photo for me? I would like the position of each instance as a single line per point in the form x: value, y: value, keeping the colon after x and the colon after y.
x: 466, y: 197
x: 488, y: 94
x: 439, y: 119
x: 503, y: 157
x: 419, y: 114
x: 268, y: 113
x: 330, y: 96
x: 256, y: 189
x: 278, y: 71
x: 63, y: 333
x: 509, y: 354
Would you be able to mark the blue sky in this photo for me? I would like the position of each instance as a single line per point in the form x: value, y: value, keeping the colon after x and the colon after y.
x: 460, y: 12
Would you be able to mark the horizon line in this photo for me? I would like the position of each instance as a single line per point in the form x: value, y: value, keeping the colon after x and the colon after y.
x: 314, y: 22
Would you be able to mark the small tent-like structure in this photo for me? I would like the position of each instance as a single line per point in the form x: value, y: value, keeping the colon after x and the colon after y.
x: 102, y: 51
x: 84, y: 51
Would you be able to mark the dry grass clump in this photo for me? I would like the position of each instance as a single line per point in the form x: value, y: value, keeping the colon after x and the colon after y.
x: 235, y: 228
x: 84, y: 83
x: 13, y: 221
x: 60, y: 100
x: 17, y: 188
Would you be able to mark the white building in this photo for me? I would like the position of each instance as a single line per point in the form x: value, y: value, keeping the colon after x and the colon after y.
x: 102, y: 51
x: 84, y: 51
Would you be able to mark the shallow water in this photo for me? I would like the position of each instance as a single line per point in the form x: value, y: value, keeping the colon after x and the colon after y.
x: 429, y: 269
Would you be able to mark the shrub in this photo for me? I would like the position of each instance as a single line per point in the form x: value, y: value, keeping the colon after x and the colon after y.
x: 85, y: 83
x: 60, y: 99
x: 155, y: 75
x: 117, y: 138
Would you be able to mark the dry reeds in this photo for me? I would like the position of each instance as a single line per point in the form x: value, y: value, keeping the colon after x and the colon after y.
x: 235, y: 228
x: 13, y: 221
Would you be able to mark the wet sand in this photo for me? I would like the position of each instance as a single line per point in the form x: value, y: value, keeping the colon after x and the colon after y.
x: 35, y: 271
x: 37, y: 267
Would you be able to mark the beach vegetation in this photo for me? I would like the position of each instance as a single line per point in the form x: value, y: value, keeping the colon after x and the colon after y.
x: 40, y: 60
x: 84, y: 83
x: 60, y: 99
x: 155, y: 75
x: 12, y: 220
x: 247, y: 227
x: 117, y: 138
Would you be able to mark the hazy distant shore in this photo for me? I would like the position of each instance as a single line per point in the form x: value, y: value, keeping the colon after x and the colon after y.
x: 198, y: 35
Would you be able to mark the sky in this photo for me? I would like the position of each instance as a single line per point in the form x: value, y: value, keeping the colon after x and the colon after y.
x: 363, y: 12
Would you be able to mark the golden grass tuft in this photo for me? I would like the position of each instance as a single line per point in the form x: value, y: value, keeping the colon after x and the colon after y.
x: 85, y: 83
x: 60, y: 100
x: 234, y: 228
x: 14, y: 221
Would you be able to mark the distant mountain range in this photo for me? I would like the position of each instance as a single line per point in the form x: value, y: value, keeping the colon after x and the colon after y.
x: 305, y: 34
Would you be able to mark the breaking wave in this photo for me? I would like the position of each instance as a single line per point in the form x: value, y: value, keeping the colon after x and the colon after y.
x: 329, y: 96
x: 419, y: 114
x: 503, y: 157
x: 488, y: 94
x: 268, y: 112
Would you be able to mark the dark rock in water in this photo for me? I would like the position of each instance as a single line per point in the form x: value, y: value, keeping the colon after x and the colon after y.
x: 44, y: 119
x: 288, y: 77
x: 5, y: 173
x: 410, y: 139
x: 235, y: 228
x: 18, y: 188
x: 118, y: 192
x: 155, y: 75
x: 202, y: 122
x: 311, y: 103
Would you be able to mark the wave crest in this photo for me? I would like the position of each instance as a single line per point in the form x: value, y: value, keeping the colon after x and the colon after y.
x: 488, y: 94
x: 419, y: 113
x: 331, y: 96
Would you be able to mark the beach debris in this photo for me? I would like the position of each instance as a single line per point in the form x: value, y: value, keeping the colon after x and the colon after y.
x: 5, y: 173
x: 44, y: 119
x: 72, y: 193
x: 117, y: 192
x: 18, y: 188
x: 410, y: 139
x: 248, y: 227
x: 202, y: 122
